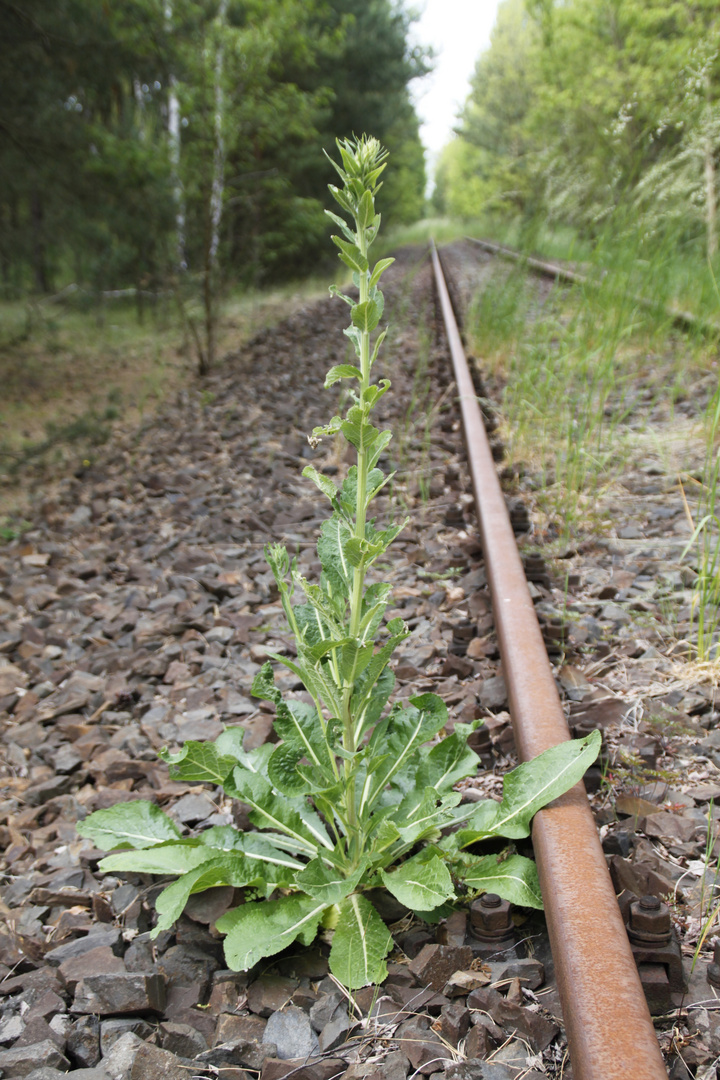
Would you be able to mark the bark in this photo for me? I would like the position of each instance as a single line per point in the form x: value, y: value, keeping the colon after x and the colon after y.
x: 217, y: 188
x: 174, y: 151
x: 38, y: 243
x: 218, y: 183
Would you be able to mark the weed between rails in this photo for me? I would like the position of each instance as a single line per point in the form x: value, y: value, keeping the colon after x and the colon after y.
x: 357, y: 793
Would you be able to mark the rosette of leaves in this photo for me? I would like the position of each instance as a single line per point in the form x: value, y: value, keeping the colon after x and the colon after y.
x: 357, y: 793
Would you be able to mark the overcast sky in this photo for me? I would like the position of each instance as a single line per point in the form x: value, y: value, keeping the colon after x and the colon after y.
x: 458, y: 30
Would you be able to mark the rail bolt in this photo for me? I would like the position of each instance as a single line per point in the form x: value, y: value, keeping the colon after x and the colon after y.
x: 490, y: 918
x: 713, y: 971
x: 649, y: 922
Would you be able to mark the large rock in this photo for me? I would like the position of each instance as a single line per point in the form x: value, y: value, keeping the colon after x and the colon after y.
x: 112, y: 1030
x: 231, y: 1028
x: 425, y: 1050
x: 22, y: 1060
x: 108, y: 995
x: 245, y: 1053
x: 99, y: 961
x: 434, y: 964
x: 84, y: 1041
x: 291, y: 1032
x: 118, y: 1063
x: 152, y: 1063
x: 185, y: 965
x: 46, y: 1072
x: 270, y: 993
x: 109, y: 936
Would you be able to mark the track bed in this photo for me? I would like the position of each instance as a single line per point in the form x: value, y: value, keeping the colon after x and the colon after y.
x: 135, y: 613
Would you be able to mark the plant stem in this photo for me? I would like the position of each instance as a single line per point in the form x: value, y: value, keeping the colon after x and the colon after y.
x: 349, y: 742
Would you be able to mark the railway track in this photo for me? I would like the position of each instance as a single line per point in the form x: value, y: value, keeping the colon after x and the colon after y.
x: 145, y: 608
x: 608, y: 1024
x: 684, y: 319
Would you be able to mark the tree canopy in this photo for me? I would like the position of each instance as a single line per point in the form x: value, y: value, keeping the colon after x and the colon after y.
x: 155, y: 138
x: 590, y: 109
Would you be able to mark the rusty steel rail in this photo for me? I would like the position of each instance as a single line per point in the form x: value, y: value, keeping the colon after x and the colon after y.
x: 684, y: 319
x: 607, y: 1021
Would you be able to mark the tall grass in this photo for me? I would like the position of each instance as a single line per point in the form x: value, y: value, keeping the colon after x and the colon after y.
x: 571, y: 358
x: 705, y: 541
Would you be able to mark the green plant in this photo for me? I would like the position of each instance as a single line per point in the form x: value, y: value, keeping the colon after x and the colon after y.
x: 706, y: 541
x: 354, y: 796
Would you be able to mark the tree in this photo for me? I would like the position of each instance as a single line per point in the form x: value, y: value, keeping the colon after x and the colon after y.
x: 69, y: 73
x: 592, y: 110
x: 178, y: 141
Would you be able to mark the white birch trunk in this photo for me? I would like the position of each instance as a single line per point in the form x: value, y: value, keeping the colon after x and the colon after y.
x: 218, y: 181
x: 174, y: 149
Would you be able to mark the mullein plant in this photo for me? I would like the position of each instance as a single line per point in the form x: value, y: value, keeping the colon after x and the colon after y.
x: 357, y: 794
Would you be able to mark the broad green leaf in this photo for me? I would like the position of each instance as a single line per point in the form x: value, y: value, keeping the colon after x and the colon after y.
x: 137, y: 824
x: 288, y: 816
x: 386, y: 536
x: 363, y: 436
x: 421, y: 813
x: 317, y: 652
x: 373, y: 701
x: 366, y: 316
x: 528, y: 788
x: 334, y: 535
x: 226, y: 869
x: 161, y: 859
x: 434, y: 916
x: 379, y: 299
x: 354, y: 658
x: 342, y: 371
x: 446, y: 763
x: 351, y: 254
x: 398, y: 737
x: 384, y: 383
x: 348, y: 493
x: 379, y: 269
x: 246, y: 858
x: 347, y: 232
x: 254, y: 845
x: 330, y: 428
x: 299, y: 726
x: 339, y: 196
x: 199, y: 762
x: 360, y: 944
x: 383, y: 835
x: 372, y: 394
x: 361, y: 552
x: 324, y: 483
x: 422, y: 883
x: 326, y: 883
x: 355, y: 336
x: 283, y: 773
x: 366, y: 210
x: 313, y: 627
x: 314, y: 678
x: 327, y: 600
x: 263, y: 685
x: 365, y: 690
x: 373, y: 609
x: 514, y: 878
x: 231, y: 742
x: 266, y: 927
